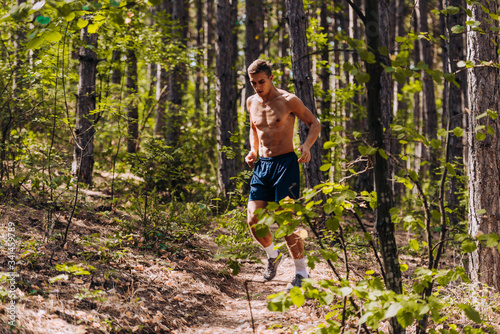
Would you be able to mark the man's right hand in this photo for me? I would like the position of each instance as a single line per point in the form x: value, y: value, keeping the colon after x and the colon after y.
x: 250, y: 159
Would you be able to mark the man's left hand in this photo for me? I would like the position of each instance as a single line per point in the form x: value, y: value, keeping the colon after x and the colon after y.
x: 306, y: 154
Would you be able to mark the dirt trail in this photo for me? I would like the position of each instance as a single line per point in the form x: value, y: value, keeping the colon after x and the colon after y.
x: 245, y: 306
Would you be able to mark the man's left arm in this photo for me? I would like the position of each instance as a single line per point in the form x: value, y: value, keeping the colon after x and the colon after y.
x: 306, y: 116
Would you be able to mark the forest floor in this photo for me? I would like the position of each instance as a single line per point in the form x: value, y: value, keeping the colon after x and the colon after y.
x: 105, y: 282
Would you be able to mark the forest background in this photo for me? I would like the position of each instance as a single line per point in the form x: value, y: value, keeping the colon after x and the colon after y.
x: 137, y: 109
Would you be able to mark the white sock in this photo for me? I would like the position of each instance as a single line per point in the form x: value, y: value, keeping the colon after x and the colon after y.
x: 271, y: 252
x: 300, y: 267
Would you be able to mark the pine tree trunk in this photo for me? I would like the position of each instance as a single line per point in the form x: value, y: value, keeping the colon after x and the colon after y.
x: 386, y: 90
x: 83, y: 154
x: 162, y: 78
x: 303, y: 81
x: 283, y: 45
x: 132, y: 108
x: 326, y: 100
x: 116, y: 77
x: 427, y: 96
x: 177, y: 78
x: 384, y: 225
x: 254, y: 28
x: 210, y: 54
x: 226, y: 101
x: 199, y: 45
x: 457, y: 100
x: 483, y: 166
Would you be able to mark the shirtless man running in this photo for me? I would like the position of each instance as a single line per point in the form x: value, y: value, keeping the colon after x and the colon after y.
x: 276, y: 174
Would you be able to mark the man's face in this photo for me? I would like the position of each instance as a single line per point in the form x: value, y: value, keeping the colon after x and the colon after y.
x: 261, y: 83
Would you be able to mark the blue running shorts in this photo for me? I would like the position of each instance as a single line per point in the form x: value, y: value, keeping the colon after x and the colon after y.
x: 275, y: 178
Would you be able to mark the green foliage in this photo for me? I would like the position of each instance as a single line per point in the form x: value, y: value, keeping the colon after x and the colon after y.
x: 75, y: 268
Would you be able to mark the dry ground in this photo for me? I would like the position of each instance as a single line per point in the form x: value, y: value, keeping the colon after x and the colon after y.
x: 132, y: 289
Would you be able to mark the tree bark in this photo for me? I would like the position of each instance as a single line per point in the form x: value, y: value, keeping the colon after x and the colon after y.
x: 384, y: 225
x: 483, y: 166
x: 254, y: 28
x: 454, y: 108
x: 83, y: 153
x: 177, y: 77
x: 254, y: 25
x: 226, y: 101
x: 325, y: 74
x: 427, y: 96
x: 386, y: 39
x: 199, y: 58
x: 303, y: 81
x: 210, y: 54
x: 165, y: 8
x: 132, y: 108
x: 116, y: 77
x: 283, y: 45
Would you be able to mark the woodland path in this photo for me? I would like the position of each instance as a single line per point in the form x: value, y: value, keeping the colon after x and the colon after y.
x: 240, y: 306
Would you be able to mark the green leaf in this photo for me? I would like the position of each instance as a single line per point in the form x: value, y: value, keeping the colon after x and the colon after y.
x: 329, y: 144
x: 484, y: 114
x: 452, y: 10
x: 414, y: 244
x: 442, y: 132
x: 480, y: 136
x: 459, y: 132
x: 480, y: 212
x: 329, y: 208
x: 325, y: 167
x: 403, y: 267
x: 383, y: 154
x: 345, y: 291
x: 493, y: 114
x: 469, y: 64
x: 280, y: 302
x: 399, y: 76
x: 469, y: 246
x: 43, y: 19
x: 405, y: 319
x: 272, y: 206
x: 492, y: 240
x: 490, y: 130
x: 52, y: 36
x: 435, y: 143
x: 58, y: 278
x: 471, y: 313
x: 82, y: 23
x: 297, y: 296
x: 457, y: 29
x: 362, y: 77
x: 329, y: 255
x: 383, y: 50
x: 34, y: 43
x: 364, y: 150
x: 38, y: 5
x: 450, y: 169
x: 261, y: 230
x: 392, y: 310
x: 332, y: 224
x: 70, y: 17
x: 92, y: 28
x: 461, y: 237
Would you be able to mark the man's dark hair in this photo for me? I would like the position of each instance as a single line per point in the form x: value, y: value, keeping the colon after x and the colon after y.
x: 260, y: 65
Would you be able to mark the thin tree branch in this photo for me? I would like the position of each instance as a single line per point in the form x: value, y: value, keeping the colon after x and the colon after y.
x: 358, y: 11
x: 372, y: 244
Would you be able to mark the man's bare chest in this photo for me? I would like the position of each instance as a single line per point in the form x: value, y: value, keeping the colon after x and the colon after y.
x: 271, y: 115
